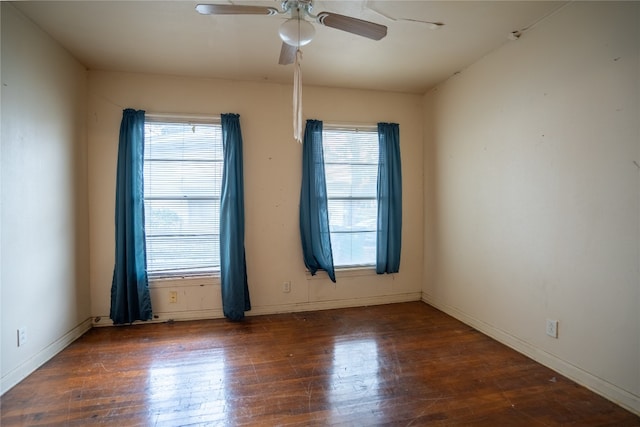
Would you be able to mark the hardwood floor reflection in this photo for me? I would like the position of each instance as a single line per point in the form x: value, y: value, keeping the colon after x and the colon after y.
x: 399, y: 364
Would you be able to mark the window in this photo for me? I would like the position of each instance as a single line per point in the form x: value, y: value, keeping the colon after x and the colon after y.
x: 183, y: 164
x: 351, y: 169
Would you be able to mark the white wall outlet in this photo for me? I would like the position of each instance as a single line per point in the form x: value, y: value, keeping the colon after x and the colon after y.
x: 173, y: 297
x: 552, y: 328
x: 286, y: 287
x: 22, y: 336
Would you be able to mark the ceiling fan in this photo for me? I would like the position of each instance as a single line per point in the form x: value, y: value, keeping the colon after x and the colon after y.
x: 298, y: 31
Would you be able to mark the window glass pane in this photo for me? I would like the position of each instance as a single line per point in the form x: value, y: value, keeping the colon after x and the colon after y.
x: 169, y: 178
x: 181, y: 217
x: 187, y: 255
x: 351, y: 169
x: 352, y: 215
x: 164, y: 140
x: 344, y: 180
x: 350, y: 146
x: 353, y: 249
x: 182, y: 182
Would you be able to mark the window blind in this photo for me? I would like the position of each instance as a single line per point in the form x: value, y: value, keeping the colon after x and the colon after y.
x: 351, y: 169
x: 183, y: 165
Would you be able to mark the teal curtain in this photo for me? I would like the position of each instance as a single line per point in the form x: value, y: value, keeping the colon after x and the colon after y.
x: 233, y: 266
x: 130, y: 298
x: 389, y: 239
x: 314, y: 212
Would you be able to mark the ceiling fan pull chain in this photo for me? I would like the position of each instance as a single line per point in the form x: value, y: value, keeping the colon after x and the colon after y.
x: 297, y: 98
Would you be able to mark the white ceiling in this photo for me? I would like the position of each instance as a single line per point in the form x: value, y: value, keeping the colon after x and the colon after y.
x: 170, y: 37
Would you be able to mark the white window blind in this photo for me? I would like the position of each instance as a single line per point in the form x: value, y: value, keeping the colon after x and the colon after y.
x: 351, y: 169
x: 183, y: 164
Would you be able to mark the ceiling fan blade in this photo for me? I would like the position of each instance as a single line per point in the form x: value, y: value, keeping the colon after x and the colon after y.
x: 232, y: 9
x: 352, y: 25
x: 287, y: 54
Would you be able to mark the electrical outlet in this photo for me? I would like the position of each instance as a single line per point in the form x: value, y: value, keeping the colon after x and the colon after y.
x: 173, y: 297
x: 286, y: 287
x: 552, y: 328
x: 22, y: 336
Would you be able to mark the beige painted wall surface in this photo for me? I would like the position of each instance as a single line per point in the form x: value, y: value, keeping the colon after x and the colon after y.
x: 44, y: 195
x: 272, y: 167
x: 535, y: 194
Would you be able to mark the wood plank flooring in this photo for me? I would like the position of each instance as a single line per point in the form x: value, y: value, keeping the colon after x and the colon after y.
x: 397, y: 365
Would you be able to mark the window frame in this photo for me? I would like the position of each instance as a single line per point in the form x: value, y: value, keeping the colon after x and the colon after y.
x: 171, y: 276
x: 353, y: 269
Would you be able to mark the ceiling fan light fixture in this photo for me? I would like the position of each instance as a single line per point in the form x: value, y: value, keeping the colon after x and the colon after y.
x: 296, y: 32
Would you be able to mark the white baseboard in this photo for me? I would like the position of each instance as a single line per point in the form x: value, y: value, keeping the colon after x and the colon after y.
x: 161, y: 317
x: 272, y: 309
x: 25, y: 369
x: 600, y: 386
x: 333, y: 304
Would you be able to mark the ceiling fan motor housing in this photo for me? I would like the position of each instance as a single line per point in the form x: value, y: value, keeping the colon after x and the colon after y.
x: 298, y: 7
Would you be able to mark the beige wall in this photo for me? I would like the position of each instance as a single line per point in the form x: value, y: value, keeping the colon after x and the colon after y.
x: 44, y: 197
x: 533, y: 195
x: 272, y: 168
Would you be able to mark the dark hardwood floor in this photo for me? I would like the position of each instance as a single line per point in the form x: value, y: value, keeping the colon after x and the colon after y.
x: 399, y: 365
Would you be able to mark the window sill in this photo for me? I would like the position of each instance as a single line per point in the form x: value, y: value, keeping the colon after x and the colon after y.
x: 186, y: 281
x: 342, y: 273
